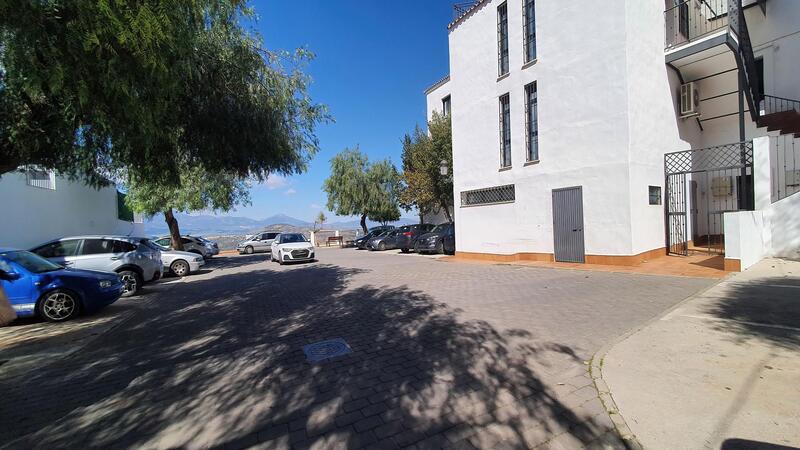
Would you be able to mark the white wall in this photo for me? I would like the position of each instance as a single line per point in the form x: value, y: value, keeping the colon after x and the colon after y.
x: 434, y: 97
x: 31, y: 215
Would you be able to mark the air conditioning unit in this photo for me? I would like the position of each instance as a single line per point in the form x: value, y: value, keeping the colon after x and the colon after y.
x: 690, y: 100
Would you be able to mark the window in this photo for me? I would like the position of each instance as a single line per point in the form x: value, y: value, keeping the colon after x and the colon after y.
x: 531, y: 122
x: 164, y: 242
x: 529, y: 30
x: 270, y: 235
x: 125, y: 247
x: 97, y: 246
x: 40, y: 178
x: 654, y: 193
x: 502, y: 39
x: 488, y: 196
x: 446, y: 106
x: 505, y: 131
x: 59, y: 249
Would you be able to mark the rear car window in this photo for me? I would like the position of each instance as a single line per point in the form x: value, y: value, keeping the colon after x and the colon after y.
x: 59, y: 249
x: 123, y: 247
x: 97, y: 246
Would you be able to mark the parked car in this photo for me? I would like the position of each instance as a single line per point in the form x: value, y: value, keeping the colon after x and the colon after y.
x: 36, y: 286
x: 441, y: 239
x: 385, y: 241
x: 361, y: 242
x: 291, y: 247
x: 259, y: 242
x: 410, y: 233
x: 136, y: 260
x: 180, y: 263
x: 190, y: 244
x: 213, y: 246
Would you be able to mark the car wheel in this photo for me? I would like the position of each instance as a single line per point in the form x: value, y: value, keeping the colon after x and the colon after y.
x: 440, y: 248
x: 382, y: 246
x: 249, y: 250
x: 58, y: 306
x: 180, y: 268
x: 132, y: 282
x: 280, y: 258
x: 405, y: 250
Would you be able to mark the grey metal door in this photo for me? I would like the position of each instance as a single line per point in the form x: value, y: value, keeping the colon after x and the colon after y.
x: 568, y: 224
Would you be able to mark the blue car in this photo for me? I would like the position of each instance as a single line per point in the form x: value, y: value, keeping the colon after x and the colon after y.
x: 36, y: 286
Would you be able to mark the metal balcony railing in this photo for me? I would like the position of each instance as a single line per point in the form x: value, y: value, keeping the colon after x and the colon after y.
x: 771, y: 104
x: 690, y: 20
x: 459, y: 9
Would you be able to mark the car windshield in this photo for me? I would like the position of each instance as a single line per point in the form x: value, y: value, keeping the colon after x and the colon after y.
x: 291, y: 238
x: 441, y: 228
x: 31, y: 261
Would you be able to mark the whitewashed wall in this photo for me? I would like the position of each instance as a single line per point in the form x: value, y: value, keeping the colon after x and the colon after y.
x: 32, y: 215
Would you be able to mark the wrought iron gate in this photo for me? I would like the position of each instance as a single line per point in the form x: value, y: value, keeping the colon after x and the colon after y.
x: 720, y: 180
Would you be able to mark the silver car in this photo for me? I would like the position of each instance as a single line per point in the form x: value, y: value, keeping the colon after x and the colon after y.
x: 259, y: 242
x: 136, y: 260
x: 191, y: 244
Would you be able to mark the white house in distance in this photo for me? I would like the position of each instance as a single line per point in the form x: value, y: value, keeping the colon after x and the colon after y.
x: 616, y: 132
x: 38, y: 206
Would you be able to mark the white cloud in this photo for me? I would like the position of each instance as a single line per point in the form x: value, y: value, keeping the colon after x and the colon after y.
x: 290, y: 191
x: 314, y: 206
x: 275, y: 181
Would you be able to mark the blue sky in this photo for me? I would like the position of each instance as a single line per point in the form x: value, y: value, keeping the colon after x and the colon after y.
x: 373, y: 60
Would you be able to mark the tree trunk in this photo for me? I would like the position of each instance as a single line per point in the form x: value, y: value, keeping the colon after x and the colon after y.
x: 446, y: 211
x: 174, y: 231
x: 364, y: 223
x: 421, y: 218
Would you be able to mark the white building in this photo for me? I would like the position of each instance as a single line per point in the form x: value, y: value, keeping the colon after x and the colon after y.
x: 562, y: 114
x: 38, y: 206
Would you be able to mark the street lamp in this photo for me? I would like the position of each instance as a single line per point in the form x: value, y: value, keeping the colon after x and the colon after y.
x: 443, y: 168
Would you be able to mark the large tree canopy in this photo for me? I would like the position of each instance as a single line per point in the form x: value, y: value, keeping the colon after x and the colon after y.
x: 424, y: 186
x: 358, y: 188
x: 93, y: 88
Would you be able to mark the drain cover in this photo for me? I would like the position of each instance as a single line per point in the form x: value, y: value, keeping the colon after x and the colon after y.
x: 322, y: 350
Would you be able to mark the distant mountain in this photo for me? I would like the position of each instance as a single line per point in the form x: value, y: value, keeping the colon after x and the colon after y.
x: 223, y: 225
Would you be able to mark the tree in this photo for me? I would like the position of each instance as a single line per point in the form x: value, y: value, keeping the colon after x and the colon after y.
x: 197, y: 190
x: 97, y: 90
x: 358, y: 188
x: 321, y: 219
x: 424, y: 186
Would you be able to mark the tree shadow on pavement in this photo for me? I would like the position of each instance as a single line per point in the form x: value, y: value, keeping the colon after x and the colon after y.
x: 218, y: 362
x: 767, y: 309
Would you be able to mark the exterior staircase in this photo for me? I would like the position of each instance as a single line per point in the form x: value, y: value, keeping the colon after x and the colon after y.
x: 780, y: 114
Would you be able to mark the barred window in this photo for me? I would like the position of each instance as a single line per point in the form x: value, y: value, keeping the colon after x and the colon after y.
x: 505, y: 131
x: 44, y: 179
x: 529, y: 29
x: 446, y: 106
x: 488, y: 196
x: 531, y: 122
x: 502, y: 39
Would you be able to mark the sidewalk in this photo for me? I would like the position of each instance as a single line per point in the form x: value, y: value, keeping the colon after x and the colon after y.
x: 721, y: 370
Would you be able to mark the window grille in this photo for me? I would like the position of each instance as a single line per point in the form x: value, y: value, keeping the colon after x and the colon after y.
x: 488, y: 196
x: 39, y: 178
x: 505, y: 131
x: 532, y: 122
x: 529, y: 29
x: 502, y: 39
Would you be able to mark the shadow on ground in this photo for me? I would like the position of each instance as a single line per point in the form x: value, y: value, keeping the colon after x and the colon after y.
x: 766, y: 309
x: 219, y: 362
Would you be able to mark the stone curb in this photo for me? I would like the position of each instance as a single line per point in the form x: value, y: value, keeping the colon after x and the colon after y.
x: 596, y: 369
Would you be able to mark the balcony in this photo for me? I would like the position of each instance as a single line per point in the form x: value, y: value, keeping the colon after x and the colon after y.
x: 693, y: 20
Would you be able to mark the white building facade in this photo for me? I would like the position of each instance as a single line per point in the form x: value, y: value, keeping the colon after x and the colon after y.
x: 562, y: 113
x: 38, y: 206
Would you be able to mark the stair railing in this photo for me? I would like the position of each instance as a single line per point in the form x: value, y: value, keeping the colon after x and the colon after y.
x: 772, y: 104
x: 745, y: 49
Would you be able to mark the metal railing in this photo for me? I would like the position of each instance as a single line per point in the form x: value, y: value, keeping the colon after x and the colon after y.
x: 693, y: 19
x: 488, y: 196
x: 785, y: 170
x: 745, y: 50
x: 771, y: 104
x: 459, y: 9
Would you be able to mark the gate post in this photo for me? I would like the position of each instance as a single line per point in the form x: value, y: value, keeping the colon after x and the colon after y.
x: 762, y: 172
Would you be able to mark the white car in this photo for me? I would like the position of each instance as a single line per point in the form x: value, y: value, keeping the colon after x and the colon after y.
x: 290, y: 247
x: 180, y: 263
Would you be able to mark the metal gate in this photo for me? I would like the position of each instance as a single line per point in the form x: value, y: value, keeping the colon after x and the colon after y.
x: 720, y: 180
x: 568, y: 224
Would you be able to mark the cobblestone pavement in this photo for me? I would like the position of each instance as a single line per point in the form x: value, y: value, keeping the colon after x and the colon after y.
x: 444, y: 355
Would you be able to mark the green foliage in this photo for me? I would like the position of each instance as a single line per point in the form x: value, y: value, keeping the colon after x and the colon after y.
x: 320, y: 220
x: 356, y: 187
x: 424, y: 186
x: 99, y: 88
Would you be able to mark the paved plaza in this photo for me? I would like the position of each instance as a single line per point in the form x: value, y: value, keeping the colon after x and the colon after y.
x: 444, y: 354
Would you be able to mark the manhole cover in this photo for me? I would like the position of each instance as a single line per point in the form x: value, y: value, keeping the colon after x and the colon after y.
x: 322, y: 350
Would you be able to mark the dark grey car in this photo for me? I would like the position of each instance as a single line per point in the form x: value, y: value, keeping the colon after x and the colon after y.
x: 385, y: 241
x: 441, y: 240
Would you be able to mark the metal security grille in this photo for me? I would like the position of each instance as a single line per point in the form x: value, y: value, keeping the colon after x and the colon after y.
x: 502, y: 39
x: 531, y: 122
x: 529, y: 28
x: 701, y: 186
x: 488, y: 196
x: 505, y: 131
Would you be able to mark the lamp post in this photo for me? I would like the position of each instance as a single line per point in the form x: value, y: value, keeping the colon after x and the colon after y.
x: 443, y: 168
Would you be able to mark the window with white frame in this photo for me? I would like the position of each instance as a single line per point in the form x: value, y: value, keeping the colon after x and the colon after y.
x: 40, y: 178
x: 529, y: 29
x: 446, y: 106
x: 505, y: 131
x: 502, y: 39
x: 531, y: 122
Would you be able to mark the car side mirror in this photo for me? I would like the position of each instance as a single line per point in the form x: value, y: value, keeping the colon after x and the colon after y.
x: 9, y: 276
